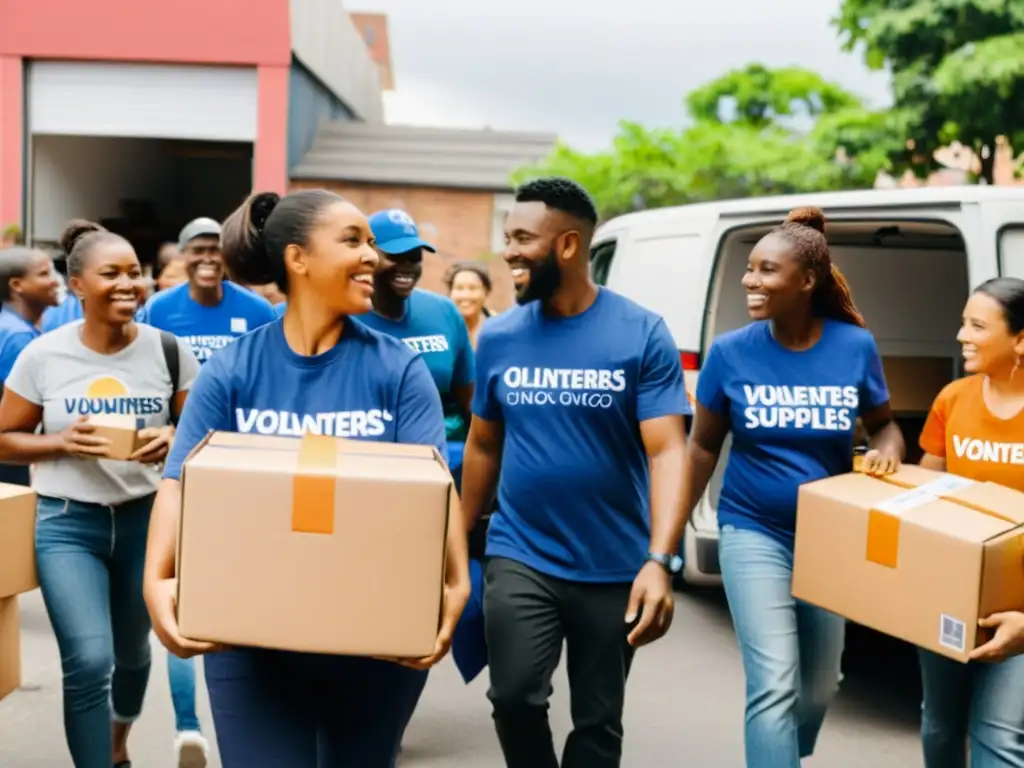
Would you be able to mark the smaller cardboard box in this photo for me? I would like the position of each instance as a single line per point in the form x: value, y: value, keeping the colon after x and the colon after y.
x: 918, y: 555
x: 121, y: 430
x: 314, y: 544
x: 17, y: 540
x: 10, y: 645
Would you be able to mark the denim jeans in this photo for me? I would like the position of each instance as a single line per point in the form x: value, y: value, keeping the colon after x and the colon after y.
x: 791, y: 651
x: 90, y: 559
x: 977, y: 704
x: 181, y: 674
x: 273, y: 709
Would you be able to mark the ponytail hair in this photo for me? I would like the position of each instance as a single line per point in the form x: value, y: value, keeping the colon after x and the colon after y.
x: 805, y: 229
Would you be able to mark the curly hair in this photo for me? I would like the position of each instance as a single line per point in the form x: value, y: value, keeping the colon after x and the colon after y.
x: 804, y: 229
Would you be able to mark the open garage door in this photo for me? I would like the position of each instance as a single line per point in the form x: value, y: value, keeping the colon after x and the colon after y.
x: 142, y: 100
x: 140, y: 148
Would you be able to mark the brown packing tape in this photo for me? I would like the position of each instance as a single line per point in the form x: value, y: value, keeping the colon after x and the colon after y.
x: 883, y: 537
x: 313, y: 485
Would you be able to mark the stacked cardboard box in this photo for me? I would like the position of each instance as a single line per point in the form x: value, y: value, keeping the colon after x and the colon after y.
x: 918, y: 555
x: 313, y: 544
x: 17, y: 575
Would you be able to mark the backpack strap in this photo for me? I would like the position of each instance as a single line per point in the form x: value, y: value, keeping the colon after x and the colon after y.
x: 170, y: 347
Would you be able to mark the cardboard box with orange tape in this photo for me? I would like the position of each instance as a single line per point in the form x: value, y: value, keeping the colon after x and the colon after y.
x: 918, y: 555
x: 17, y: 575
x: 314, y: 544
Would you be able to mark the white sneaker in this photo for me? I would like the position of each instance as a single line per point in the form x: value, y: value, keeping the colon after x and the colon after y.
x: 191, y: 749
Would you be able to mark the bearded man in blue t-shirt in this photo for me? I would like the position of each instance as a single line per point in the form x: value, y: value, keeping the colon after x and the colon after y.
x: 578, y: 408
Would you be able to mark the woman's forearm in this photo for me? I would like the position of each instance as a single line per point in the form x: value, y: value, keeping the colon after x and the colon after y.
x: 162, y: 544
x: 30, y: 448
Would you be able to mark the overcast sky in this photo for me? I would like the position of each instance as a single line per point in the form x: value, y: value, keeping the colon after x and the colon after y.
x: 539, y: 65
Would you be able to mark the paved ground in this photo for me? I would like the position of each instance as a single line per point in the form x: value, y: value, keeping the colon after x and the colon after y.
x: 684, y: 709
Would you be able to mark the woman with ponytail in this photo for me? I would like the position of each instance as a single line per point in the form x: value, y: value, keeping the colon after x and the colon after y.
x: 790, y: 387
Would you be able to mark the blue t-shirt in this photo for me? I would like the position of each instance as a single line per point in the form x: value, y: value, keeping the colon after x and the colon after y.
x: 367, y: 387
x: 207, y: 329
x: 280, y: 308
x: 66, y: 312
x: 433, y: 327
x: 574, y: 492
x: 791, y: 415
x: 15, y: 334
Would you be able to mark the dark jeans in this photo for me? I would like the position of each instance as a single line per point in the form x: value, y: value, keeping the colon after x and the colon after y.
x: 273, y: 709
x: 528, y: 615
x: 90, y: 558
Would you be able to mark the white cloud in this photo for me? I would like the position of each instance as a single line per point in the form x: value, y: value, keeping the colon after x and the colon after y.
x: 544, y: 65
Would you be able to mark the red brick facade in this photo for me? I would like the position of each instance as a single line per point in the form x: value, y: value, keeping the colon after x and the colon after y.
x: 458, y: 223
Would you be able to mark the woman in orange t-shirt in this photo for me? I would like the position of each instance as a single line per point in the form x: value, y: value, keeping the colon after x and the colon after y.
x: 976, y: 430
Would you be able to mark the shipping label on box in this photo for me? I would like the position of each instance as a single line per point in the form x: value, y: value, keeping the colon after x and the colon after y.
x: 918, y: 555
x: 315, y: 544
x: 122, y: 430
x: 17, y: 540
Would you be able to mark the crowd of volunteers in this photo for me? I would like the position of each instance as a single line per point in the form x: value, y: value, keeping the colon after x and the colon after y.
x: 565, y: 424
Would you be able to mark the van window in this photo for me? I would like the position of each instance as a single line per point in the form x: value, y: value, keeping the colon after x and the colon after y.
x: 601, y: 262
x: 1011, y: 251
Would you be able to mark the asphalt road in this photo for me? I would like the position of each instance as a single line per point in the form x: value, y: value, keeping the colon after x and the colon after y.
x: 685, y: 705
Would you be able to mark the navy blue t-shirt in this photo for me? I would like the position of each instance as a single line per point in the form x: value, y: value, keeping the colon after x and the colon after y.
x: 367, y: 387
x: 574, y: 492
x: 207, y: 329
x: 791, y: 414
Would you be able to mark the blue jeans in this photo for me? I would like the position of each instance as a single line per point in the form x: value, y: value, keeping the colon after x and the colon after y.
x: 274, y: 709
x: 181, y: 674
x: 791, y: 651
x: 90, y: 559
x: 982, y: 703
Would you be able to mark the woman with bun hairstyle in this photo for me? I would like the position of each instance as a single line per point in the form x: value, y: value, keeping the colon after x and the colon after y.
x: 276, y: 708
x: 976, y: 430
x: 790, y: 387
x: 28, y: 287
x: 93, y: 513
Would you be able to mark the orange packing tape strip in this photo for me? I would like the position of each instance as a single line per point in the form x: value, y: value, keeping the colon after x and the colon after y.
x: 883, y: 542
x: 313, y: 485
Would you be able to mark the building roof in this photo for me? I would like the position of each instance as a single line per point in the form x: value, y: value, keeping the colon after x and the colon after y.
x: 416, y: 156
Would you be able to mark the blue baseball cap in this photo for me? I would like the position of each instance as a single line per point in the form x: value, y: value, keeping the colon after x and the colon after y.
x: 396, y: 232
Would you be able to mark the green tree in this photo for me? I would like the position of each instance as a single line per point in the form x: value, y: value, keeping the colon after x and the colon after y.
x: 753, y: 131
x: 958, y: 69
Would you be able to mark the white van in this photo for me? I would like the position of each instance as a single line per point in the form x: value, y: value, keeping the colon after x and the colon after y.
x: 911, y: 258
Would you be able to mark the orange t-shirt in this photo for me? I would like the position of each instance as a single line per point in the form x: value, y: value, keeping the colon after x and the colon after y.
x: 975, y: 443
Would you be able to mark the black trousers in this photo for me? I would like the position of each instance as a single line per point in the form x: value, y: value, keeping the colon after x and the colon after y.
x: 528, y: 616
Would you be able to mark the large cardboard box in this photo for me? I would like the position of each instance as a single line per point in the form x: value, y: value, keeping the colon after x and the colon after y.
x: 313, y: 544
x: 17, y: 540
x: 10, y: 645
x: 918, y: 555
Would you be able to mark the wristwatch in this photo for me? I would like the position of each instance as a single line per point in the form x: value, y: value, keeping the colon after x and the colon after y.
x: 671, y: 563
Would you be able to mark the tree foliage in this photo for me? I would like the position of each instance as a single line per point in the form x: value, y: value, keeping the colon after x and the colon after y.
x: 958, y: 68
x: 753, y: 131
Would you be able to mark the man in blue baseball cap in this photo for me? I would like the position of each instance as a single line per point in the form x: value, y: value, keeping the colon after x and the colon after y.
x: 428, y: 323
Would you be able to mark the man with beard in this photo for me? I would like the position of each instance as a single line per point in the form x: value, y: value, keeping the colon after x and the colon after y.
x: 579, y: 410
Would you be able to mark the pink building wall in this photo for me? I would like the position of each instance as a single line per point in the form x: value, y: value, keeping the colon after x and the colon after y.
x: 215, y: 32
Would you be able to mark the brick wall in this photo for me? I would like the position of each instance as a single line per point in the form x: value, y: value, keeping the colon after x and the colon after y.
x: 457, y: 222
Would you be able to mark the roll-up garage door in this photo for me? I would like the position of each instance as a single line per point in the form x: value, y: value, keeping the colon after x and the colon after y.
x: 210, y: 103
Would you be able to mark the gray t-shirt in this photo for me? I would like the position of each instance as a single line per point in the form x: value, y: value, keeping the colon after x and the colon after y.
x: 69, y: 380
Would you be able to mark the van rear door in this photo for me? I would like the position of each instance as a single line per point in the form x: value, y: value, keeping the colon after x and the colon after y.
x: 1010, y: 250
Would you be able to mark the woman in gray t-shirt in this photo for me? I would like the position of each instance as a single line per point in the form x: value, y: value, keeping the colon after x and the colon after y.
x: 93, y: 513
